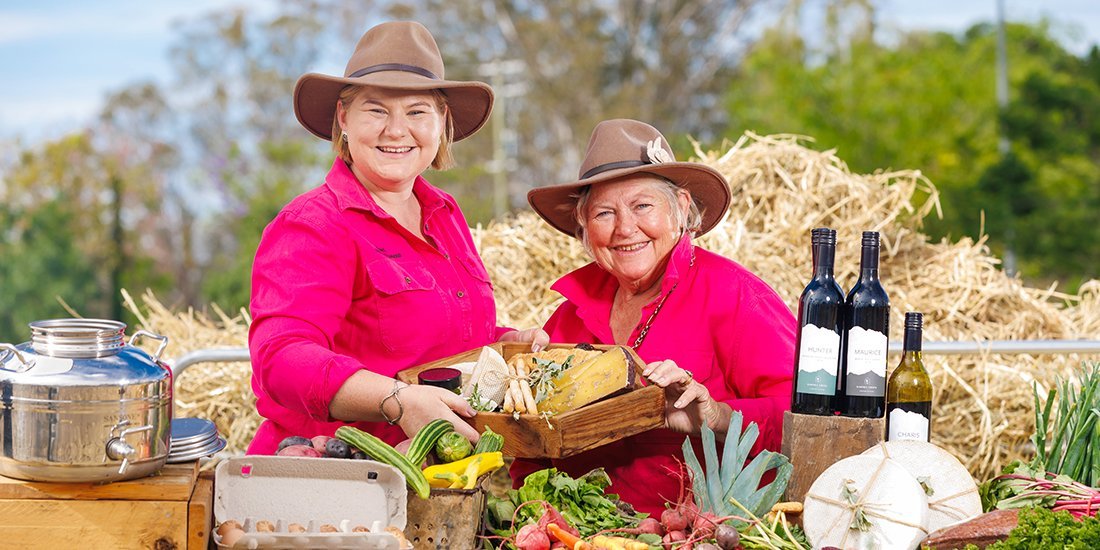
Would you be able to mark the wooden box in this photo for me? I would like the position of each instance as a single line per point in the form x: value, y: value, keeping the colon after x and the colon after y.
x: 813, y: 443
x: 169, y: 509
x: 566, y: 434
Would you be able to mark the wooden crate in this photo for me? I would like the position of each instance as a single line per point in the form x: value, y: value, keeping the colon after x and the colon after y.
x: 566, y: 434
x: 170, y: 509
x: 813, y: 443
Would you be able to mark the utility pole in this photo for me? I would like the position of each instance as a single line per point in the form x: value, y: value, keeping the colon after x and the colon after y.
x: 1003, y: 145
x: 504, y: 139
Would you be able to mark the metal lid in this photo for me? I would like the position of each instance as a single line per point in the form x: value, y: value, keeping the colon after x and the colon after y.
x: 213, y: 447
x: 192, y: 430
x: 77, y: 338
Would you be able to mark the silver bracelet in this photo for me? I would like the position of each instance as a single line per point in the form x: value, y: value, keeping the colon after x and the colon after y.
x: 400, y: 408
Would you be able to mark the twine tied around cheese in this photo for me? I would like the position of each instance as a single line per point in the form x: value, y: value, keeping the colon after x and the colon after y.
x: 940, y: 504
x: 866, y: 508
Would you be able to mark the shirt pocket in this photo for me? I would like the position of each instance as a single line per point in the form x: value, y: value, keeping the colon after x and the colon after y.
x: 477, y: 270
x: 703, y: 367
x: 407, y: 304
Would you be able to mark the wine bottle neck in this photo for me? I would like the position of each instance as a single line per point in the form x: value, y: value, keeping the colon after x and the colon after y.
x: 823, y: 260
x: 913, y: 340
x: 868, y: 262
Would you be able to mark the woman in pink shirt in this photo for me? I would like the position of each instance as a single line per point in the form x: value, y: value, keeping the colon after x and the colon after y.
x: 714, y: 335
x: 375, y: 270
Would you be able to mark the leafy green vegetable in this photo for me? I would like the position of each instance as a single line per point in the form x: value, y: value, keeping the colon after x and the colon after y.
x: 582, y: 502
x: 1074, y: 445
x: 1042, y: 528
x: 730, y: 480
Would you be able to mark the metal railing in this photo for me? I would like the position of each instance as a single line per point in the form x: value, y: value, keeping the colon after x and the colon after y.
x: 1009, y: 347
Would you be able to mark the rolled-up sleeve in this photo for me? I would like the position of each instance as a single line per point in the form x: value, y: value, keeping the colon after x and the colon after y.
x: 302, y: 284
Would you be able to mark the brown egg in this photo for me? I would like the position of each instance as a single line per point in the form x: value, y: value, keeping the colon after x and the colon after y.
x: 360, y: 529
x: 295, y: 528
x: 329, y: 528
x: 265, y: 526
x: 231, y: 536
x: 226, y: 525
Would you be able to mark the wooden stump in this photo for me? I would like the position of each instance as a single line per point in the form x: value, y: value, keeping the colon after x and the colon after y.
x: 813, y: 443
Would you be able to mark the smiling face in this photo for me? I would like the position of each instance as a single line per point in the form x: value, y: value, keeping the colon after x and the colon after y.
x: 393, y: 135
x: 630, y: 227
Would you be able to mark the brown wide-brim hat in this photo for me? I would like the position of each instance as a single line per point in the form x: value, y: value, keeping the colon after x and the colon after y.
x: 400, y: 55
x: 623, y: 147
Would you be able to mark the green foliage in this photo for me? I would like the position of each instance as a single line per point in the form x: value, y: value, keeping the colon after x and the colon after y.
x: 928, y: 103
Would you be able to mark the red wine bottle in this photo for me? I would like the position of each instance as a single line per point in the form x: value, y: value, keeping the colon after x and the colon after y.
x: 819, y: 332
x: 866, y: 337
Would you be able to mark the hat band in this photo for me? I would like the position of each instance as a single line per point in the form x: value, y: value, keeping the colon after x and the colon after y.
x: 393, y: 67
x: 612, y: 166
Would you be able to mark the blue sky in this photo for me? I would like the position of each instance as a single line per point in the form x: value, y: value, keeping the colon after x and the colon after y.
x: 61, y: 58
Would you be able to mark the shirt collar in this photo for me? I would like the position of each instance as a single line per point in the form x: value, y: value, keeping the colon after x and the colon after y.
x: 351, y: 195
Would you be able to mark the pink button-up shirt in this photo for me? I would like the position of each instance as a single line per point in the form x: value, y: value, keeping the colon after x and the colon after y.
x: 338, y: 286
x: 719, y: 321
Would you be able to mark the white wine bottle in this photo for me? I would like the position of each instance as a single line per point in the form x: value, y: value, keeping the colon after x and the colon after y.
x: 909, y: 391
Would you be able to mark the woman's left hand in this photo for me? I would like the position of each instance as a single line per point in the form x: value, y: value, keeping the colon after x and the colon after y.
x: 688, y: 404
x: 538, y: 337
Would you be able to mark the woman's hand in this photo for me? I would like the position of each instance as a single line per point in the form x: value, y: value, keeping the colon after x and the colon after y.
x: 538, y: 337
x: 688, y: 403
x: 426, y: 403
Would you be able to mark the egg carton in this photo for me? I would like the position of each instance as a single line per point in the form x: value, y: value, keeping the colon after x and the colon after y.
x: 311, y: 492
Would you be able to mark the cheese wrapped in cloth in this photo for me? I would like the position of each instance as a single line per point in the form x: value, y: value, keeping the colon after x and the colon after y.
x: 866, y: 502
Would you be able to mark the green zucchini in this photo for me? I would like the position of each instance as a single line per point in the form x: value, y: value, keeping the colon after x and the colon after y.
x: 424, y: 440
x: 380, y: 451
x: 490, y: 442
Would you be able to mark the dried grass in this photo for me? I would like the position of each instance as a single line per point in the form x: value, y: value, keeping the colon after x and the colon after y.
x: 781, y: 189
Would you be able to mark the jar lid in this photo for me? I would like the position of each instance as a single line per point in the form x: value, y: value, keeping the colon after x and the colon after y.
x: 443, y: 377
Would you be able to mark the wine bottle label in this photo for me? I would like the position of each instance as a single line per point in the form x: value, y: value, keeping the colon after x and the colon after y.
x: 866, y: 363
x: 817, y: 360
x: 905, y: 425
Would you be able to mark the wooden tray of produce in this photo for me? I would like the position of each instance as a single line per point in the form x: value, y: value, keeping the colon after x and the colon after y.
x: 631, y: 409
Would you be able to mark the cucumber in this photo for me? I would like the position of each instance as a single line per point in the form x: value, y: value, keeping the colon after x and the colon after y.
x: 424, y: 440
x: 380, y: 451
x: 490, y: 442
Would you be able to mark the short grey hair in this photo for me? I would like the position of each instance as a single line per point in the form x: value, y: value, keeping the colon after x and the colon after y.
x: 690, y: 222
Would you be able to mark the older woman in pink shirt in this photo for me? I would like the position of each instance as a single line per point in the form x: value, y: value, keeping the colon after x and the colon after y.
x: 714, y: 335
x: 374, y: 271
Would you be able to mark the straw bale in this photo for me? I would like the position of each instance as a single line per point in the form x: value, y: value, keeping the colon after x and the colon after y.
x: 781, y: 190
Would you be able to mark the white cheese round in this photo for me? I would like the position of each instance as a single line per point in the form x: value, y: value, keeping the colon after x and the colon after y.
x: 891, y: 501
x: 953, y: 494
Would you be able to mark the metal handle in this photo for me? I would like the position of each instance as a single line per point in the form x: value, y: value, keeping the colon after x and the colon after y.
x: 160, y: 348
x: 118, y: 448
x: 24, y: 364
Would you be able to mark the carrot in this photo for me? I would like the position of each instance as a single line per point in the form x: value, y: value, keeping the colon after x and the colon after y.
x: 568, y: 539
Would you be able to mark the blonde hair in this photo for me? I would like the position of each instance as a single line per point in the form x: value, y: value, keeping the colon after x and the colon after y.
x: 443, y: 158
x: 687, y: 222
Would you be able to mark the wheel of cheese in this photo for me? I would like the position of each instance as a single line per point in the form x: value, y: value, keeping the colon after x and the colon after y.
x: 892, y: 501
x: 954, y: 495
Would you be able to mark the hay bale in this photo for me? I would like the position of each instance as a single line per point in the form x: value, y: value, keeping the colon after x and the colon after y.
x: 781, y: 190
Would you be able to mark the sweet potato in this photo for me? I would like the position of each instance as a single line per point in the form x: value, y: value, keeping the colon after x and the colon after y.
x: 980, y: 531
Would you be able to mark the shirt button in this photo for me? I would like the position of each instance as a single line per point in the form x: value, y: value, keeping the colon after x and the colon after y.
x: 446, y: 256
x: 461, y: 294
x: 408, y: 280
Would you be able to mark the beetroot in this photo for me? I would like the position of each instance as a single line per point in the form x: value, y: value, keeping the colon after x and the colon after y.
x: 673, y: 520
x: 704, y: 525
x: 299, y: 450
x: 650, y: 526
x: 727, y: 537
x: 690, y: 511
x: 673, y: 537
x: 531, y: 537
